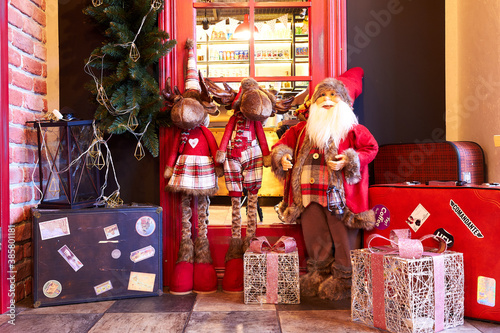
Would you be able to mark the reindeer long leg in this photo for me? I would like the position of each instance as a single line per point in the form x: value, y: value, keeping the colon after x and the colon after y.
x: 205, y: 277
x: 236, y: 245
x: 233, y: 273
x: 201, y: 245
x: 182, y: 277
x: 186, y: 248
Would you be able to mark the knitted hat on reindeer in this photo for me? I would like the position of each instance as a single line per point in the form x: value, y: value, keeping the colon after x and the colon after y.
x: 192, y: 82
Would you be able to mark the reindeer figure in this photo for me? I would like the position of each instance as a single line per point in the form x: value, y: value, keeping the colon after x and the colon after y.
x: 191, y: 171
x: 244, y: 151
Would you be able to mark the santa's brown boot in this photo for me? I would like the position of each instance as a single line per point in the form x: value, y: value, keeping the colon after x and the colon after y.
x: 317, y: 272
x: 337, y: 286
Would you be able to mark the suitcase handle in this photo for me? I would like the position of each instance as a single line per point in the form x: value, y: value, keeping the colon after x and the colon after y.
x: 446, y: 183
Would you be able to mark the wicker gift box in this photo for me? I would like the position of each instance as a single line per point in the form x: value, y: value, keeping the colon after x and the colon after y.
x: 271, y: 277
x: 408, y: 299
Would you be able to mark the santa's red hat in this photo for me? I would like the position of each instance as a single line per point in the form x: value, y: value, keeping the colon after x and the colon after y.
x: 348, y: 85
x: 353, y: 81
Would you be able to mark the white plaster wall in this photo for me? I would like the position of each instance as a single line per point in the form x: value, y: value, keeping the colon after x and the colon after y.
x: 473, y: 76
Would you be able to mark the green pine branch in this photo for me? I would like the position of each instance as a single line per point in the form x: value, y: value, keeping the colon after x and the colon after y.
x: 128, y: 83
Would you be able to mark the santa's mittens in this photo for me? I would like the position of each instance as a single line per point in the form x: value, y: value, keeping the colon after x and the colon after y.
x: 353, y: 81
x: 205, y: 278
x: 233, y: 276
x: 182, y: 278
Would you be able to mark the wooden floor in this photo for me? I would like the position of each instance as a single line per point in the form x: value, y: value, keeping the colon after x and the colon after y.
x: 218, y: 312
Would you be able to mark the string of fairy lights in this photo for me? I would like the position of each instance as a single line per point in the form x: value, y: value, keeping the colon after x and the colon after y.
x: 102, y: 97
x: 94, y: 156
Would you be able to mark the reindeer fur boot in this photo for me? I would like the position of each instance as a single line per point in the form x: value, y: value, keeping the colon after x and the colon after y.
x: 205, y: 277
x: 317, y: 272
x: 232, y: 281
x: 338, y: 285
x: 182, y: 277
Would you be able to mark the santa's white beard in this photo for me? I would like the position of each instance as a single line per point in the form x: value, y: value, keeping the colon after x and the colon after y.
x: 326, y: 124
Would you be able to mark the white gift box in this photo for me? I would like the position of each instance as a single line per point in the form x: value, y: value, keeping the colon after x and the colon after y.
x: 258, y: 284
x: 408, y: 303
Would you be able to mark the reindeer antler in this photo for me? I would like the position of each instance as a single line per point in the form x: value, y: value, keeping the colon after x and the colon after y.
x: 206, y: 99
x: 169, y: 96
x: 204, y: 95
x: 222, y: 96
x: 283, y: 105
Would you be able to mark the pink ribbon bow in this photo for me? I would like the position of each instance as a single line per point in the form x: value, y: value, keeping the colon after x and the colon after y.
x: 402, y: 244
x: 260, y: 244
x: 285, y: 244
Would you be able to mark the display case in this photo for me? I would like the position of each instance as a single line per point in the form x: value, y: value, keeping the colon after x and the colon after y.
x: 279, y: 47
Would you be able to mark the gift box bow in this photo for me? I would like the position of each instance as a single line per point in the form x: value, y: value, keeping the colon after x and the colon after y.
x: 285, y: 244
x: 261, y: 245
x: 401, y: 243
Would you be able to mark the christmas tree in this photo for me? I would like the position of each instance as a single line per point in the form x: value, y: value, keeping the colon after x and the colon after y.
x: 127, y: 92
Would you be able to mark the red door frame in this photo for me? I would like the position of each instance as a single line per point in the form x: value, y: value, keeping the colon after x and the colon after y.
x: 328, y: 59
x: 4, y: 156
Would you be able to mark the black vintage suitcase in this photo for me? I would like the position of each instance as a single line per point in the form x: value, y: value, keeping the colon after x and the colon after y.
x: 95, y: 254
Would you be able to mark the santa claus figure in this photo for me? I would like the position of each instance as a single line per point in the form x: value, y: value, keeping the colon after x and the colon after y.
x: 324, y: 161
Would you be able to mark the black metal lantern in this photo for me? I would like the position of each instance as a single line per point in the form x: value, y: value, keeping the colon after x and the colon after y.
x: 65, y: 179
x: 335, y: 201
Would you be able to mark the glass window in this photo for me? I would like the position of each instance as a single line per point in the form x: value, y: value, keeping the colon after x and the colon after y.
x: 270, y: 44
x: 277, y: 46
x: 221, y: 52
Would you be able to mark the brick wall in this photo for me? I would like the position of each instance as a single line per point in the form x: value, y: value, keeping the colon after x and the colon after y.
x: 27, y: 99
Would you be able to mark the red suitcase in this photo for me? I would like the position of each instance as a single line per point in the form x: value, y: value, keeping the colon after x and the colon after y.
x: 466, y: 216
x: 443, y: 161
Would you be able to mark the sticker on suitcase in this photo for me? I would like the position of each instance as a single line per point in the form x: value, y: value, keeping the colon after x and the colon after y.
x: 70, y: 258
x: 54, y: 228
x: 103, y: 287
x: 448, y: 238
x: 141, y: 254
x: 418, y: 217
x: 52, y: 288
x: 466, y: 220
x: 111, y: 231
x: 145, y: 226
x: 141, y: 281
x: 486, y: 291
x: 382, y: 217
